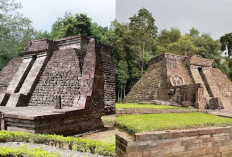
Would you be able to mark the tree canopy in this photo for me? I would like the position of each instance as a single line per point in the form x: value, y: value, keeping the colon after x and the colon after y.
x: 15, y: 31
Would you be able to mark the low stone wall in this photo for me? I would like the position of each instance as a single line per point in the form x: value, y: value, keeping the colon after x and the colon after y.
x: 206, y: 142
x: 64, y: 123
x: 120, y: 112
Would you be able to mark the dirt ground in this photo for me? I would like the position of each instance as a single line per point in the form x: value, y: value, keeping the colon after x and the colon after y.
x: 107, y: 135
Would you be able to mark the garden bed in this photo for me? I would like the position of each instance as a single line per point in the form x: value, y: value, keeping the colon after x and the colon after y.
x: 168, y: 121
x: 66, y: 143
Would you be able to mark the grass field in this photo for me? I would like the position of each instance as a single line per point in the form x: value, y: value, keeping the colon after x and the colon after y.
x: 151, y: 122
x: 130, y: 105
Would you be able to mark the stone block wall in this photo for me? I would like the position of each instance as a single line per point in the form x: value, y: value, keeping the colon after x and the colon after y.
x: 224, y: 85
x: 8, y: 73
x: 147, y: 87
x: 60, y: 72
x: 60, y: 77
x: 179, y: 70
x: 205, y: 142
x: 109, y: 81
x: 83, y: 93
x: 65, y: 123
x: 176, y: 66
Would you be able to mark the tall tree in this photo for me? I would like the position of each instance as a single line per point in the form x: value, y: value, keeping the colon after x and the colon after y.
x: 122, y: 77
x: 226, y: 44
x: 15, y: 31
x: 142, y: 33
x: 71, y: 25
x: 183, y: 46
x: 165, y: 38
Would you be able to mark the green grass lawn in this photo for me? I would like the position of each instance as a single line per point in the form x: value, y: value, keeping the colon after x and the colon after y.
x: 108, y: 139
x: 151, y: 122
x: 130, y: 105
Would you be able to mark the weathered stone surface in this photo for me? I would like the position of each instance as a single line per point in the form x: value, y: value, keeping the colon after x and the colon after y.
x: 65, y: 85
x: 188, y: 81
x: 178, y: 143
x: 8, y: 73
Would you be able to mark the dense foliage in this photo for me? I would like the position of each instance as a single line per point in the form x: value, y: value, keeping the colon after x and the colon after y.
x: 15, y: 31
x: 133, y: 44
x: 78, y: 144
x: 22, y: 151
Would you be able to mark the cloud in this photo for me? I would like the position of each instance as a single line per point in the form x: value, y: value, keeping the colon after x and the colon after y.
x: 44, y: 13
x: 209, y: 16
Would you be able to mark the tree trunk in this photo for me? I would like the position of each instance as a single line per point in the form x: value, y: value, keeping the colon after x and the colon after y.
x: 142, y: 66
x: 118, y: 95
x: 124, y: 92
x: 121, y: 95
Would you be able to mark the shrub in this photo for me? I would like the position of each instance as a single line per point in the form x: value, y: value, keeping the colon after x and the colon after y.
x: 26, y: 151
x: 78, y: 144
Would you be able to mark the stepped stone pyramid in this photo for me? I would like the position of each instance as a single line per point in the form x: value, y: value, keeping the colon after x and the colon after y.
x: 188, y: 81
x: 62, y: 86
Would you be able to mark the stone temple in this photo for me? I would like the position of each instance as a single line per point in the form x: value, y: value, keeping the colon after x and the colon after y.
x: 188, y: 81
x: 62, y: 86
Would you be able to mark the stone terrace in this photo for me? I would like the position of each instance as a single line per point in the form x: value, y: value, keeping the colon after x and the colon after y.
x: 74, y: 74
x: 188, y: 81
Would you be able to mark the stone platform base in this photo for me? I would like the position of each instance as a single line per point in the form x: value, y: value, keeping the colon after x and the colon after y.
x: 204, y: 142
x: 47, y: 120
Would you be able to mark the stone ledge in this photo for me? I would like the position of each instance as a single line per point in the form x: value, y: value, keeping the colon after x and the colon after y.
x: 171, y: 134
x: 178, y: 143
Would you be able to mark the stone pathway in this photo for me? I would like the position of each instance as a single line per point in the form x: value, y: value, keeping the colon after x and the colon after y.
x: 50, y: 149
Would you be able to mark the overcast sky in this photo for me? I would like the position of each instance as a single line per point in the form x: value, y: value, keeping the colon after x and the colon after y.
x: 44, y: 13
x: 209, y: 16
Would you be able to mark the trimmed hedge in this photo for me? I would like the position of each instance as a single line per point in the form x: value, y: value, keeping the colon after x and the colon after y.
x: 72, y: 143
x: 26, y: 151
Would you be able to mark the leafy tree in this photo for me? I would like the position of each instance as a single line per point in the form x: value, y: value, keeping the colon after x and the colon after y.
x: 142, y: 33
x: 122, y: 77
x: 71, y: 25
x: 43, y: 35
x: 165, y: 38
x: 226, y: 44
x: 99, y: 32
x: 15, y: 31
x: 183, y: 46
x: 193, y: 32
x: 208, y: 48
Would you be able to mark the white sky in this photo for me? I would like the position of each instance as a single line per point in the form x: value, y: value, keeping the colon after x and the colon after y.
x: 43, y: 13
x: 209, y: 16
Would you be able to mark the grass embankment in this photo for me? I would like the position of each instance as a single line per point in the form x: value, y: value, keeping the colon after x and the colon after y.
x: 152, y: 106
x: 78, y: 144
x: 151, y: 122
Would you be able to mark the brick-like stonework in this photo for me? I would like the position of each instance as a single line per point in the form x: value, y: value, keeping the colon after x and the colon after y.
x: 205, y: 142
x: 109, y: 83
x: 188, y: 81
x: 8, y: 72
x: 60, y: 77
x: 76, y: 70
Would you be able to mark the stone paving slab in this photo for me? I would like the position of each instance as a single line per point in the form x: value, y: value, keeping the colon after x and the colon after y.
x: 223, y: 113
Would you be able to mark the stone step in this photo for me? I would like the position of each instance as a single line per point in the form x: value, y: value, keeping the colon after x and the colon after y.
x: 198, y: 79
x: 33, y: 75
x: 13, y: 100
x: 215, y: 90
x: 20, y: 75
